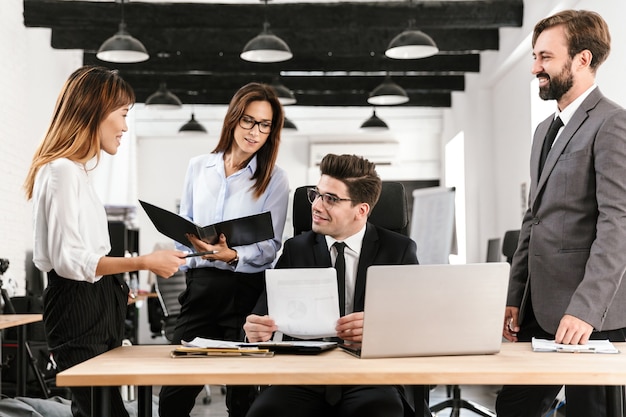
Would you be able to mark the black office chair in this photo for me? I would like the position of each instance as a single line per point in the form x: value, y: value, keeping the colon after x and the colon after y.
x: 168, y: 290
x: 509, y: 244
x: 493, y: 250
x: 391, y: 212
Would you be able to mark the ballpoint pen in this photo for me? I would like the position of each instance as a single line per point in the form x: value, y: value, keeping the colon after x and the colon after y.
x: 209, y: 252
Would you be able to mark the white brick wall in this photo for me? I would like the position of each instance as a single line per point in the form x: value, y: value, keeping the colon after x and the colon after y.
x: 28, y: 93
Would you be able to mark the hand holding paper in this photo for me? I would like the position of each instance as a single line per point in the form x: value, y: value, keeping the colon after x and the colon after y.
x: 303, y: 302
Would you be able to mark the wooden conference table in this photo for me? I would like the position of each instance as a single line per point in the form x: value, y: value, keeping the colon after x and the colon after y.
x: 20, y: 321
x: 149, y: 365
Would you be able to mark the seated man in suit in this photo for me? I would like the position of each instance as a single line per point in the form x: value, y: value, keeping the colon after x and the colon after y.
x: 347, y: 191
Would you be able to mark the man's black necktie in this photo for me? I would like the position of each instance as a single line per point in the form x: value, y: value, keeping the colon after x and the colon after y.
x: 340, y: 266
x: 548, y: 141
x: 334, y: 392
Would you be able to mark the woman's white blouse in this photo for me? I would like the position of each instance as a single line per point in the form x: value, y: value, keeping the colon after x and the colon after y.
x: 70, y: 223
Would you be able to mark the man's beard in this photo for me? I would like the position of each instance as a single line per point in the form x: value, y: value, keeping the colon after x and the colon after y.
x: 558, y: 85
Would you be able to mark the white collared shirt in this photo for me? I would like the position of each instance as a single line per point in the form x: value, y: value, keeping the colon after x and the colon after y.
x: 567, y: 113
x: 70, y: 223
x: 352, y: 254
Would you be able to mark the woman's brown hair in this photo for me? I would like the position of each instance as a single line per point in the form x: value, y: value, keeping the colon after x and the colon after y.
x: 266, y: 156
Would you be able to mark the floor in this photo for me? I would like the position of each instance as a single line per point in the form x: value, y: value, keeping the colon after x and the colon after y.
x: 484, y: 395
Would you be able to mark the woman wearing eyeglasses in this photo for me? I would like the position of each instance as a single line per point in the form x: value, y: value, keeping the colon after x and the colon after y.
x: 238, y: 178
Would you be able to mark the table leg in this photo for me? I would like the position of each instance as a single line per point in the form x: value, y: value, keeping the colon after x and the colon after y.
x: 144, y: 401
x: 101, y: 401
x: 615, y: 401
x: 421, y: 397
x: 22, y: 369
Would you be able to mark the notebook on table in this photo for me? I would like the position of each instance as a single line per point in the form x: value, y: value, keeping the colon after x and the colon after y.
x: 433, y: 310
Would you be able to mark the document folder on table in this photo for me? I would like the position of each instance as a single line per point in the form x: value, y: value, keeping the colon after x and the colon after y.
x: 592, y: 346
x: 241, y: 231
x: 301, y: 347
x: 296, y: 347
x: 191, y: 352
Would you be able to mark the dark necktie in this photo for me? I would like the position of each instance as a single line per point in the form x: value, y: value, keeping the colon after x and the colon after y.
x: 334, y: 392
x: 548, y: 141
x: 340, y: 266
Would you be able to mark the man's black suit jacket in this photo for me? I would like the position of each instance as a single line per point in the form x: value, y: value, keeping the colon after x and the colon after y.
x: 380, y: 247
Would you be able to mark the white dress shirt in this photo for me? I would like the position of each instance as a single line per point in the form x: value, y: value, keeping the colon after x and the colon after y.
x: 70, y: 224
x: 352, y: 252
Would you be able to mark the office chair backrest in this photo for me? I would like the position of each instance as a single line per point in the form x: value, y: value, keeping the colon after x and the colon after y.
x: 493, y: 250
x: 168, y: 290
x: 391, y: 212
x: 509, y: 244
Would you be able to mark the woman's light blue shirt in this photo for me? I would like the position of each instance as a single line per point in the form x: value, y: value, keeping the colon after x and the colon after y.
x: 210, y: 197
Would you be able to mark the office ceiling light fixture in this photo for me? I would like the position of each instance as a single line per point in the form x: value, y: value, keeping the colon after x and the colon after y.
x: 163, y: 99
x: 411, y: 44
x: 374, y: 123
x: 192, y: 127
x: 122, y: 47
x: 266, y: 47
x: 285, y: 95
x: 388, y: 93
x: 288, y: 124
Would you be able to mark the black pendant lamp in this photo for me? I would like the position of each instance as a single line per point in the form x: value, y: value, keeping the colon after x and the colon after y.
x: 411, y: 44
x: 266, y: 47
x: 285, y: 95
x: 122, y: 47
x: 289, y: 125
x: 374, y: 123
x: 163, y: 99
x: 192, y: 127
x: 388, y: 94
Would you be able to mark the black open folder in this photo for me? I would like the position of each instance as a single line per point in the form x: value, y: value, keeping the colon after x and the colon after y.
x: 242, y: 231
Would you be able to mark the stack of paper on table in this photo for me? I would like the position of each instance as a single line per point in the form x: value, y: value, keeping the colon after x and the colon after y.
x: 209, y: 347
x: 592, y: 346
x: 200, y: 344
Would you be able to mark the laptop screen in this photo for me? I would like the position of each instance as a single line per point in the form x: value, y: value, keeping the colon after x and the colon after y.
x: 431, y: 310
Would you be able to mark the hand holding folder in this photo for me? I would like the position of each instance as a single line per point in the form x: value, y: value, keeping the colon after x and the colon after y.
x: 242, y: 231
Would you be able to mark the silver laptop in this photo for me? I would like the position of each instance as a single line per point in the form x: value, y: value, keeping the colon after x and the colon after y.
x: 432, y: 310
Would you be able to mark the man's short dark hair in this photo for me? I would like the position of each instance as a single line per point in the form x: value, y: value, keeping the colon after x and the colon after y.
x: 359, y: 175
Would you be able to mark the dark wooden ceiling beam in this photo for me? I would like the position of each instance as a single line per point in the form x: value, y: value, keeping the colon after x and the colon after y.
x: 200, y: 63
x: 314, y: 91
x: 359, y: 16
x: 327, y: 83
x: 321, y: 43
x: 329, y: 98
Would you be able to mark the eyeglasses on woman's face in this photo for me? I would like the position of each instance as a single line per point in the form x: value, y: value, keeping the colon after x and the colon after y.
x: 248, y: 123
x: 329, y: 200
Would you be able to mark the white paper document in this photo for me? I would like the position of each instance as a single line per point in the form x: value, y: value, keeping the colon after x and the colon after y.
x: 201, y: 342
x: 592, y: 346
x: 303, y: 302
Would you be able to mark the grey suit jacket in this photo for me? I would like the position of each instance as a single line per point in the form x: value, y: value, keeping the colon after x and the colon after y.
x: 572, y: 246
